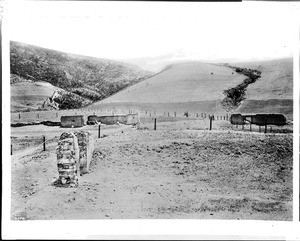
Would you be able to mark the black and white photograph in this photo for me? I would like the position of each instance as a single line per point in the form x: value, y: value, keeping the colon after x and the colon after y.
x: 151, y: 111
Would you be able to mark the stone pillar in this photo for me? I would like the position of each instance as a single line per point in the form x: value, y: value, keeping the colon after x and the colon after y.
x: 67, y: 161
x: 86, y: 149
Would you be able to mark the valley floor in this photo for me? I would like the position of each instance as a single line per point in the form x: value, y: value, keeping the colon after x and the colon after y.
x: 179, y: 171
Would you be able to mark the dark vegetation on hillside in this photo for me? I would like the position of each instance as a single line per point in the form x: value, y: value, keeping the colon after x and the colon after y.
x: 235, y: 95
x: 90, y: 78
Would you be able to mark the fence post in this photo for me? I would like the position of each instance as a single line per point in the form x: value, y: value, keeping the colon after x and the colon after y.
x: 44, y: 143
x: 175, y: 113
x: 155, y: 124
x: 168, y: 114
x: 266, y: 128
x: 38, y: 115
x: 99, y: 131
x: 11, y: 150
x: 210, y: 122
x: 19, y: 116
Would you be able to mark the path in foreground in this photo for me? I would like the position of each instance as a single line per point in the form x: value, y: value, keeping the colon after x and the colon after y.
x: 165, y: 174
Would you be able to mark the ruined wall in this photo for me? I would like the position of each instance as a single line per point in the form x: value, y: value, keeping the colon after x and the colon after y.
x: 111, y: 120
x: 86, y: 148
x: 130, y: 119
x: 67, y: 161
x: 72, y: 121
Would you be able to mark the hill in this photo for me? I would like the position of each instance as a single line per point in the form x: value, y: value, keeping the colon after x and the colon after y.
x: 273, y: 92
x: 90, y: 78
x: 192, y: 81
x: 198, y: 87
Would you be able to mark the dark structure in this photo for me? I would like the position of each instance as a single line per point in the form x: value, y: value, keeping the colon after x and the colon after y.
x: 259, y: 119
x: 237, y: 119
x: 72, y: 121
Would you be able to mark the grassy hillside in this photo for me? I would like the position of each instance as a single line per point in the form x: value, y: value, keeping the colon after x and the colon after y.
x: 273, y: 92
x: 193, y: 81
x: 276, y: 80
x: 28, y: 95
x: 91, y: 78
x: 201, y: 87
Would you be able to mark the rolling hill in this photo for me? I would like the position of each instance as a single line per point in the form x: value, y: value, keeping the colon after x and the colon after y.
x: 198, y: 86
x: 88, y: 78
x: 192, y: 81
x: 273, y: 92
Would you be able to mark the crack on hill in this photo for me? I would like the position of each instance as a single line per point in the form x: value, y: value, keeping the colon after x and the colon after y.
x: 234, y: 96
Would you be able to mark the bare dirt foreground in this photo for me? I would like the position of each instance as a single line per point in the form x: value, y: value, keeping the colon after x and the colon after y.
x: 167, y: 173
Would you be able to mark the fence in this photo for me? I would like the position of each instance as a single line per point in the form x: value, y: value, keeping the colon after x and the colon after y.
x: 29, y: 145
x: 55, y: 115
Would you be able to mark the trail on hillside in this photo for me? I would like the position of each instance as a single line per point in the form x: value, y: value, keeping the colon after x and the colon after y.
x: 234, y: 96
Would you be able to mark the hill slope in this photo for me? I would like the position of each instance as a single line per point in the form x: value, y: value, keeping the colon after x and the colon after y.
x: 90, y: 78
x: 200, y: 87
x: 276, y: 80
x: 182, y: 82
x: 273, y: 92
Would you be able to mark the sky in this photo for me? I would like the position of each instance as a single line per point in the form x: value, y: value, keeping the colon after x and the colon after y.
x: 125, y: 30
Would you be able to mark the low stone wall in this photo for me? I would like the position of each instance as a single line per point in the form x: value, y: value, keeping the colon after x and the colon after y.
x: 86, y: 149
x: 67, y: 161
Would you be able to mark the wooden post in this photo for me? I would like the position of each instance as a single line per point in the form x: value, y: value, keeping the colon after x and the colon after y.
x: 197, y: 115
x: 11, y: 150
x: 150, y: 114
x: 210, y: 122
x: 250, y: 127
x: 266, y: 128
x: 38, y: 115
x: 19, y: 116
x: 168, y: 114
x: 99, y: 130
x: 242, y: 127
x: 155, y: 124
x: 44, y: 143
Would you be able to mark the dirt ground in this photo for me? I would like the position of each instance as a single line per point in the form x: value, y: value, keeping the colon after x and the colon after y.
x: 181, y: 170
